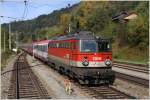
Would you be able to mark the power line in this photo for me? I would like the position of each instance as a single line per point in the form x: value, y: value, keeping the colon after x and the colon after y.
x: 9, y: 17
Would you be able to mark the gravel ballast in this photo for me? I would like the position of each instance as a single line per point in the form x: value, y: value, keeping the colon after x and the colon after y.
x: 53, y: 81
x: 6, y: 77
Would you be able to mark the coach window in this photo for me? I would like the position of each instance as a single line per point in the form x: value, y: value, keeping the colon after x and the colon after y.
x: 57, y: 44
x: 69, y: 45
x: 46, y: 48
x: 72, y: 46
x: 54, y: 45
x: 34, y: 46
x: 40, y: 47
x: 37, y: 47
x: 60, y: 45
x: 66, y: 45
x: 43, y: 47
x: 51, y: 45
x: 63, y: 45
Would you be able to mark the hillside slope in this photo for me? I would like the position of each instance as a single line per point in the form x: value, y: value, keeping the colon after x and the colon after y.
x: 130, y: 40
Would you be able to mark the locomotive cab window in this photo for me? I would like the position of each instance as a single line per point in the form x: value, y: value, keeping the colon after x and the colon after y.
x: 88, y: 46
x: 104, y: 46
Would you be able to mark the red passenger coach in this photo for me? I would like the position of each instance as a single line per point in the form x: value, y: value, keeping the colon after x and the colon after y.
x: 82, y: 56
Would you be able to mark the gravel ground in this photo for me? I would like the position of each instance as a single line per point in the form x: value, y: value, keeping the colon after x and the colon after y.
x: 137, y: 91
x: 54, y: 82
x: 5, y: 78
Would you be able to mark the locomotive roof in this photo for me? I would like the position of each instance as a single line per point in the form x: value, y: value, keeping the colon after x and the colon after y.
x: 41, y: 42
x: 77, y: 35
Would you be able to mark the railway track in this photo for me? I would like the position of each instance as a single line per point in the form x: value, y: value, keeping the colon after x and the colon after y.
x: 24, y: 83
x: 134, y: 67
x: 104, y: 92
x: 101, y: 92
x: 133, y: 79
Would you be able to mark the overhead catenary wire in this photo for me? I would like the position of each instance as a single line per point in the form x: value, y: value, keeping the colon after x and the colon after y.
x: 18, y: 1
x: 25, y: 9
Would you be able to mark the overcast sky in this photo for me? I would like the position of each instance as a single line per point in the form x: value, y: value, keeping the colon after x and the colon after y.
x: 33, y: 8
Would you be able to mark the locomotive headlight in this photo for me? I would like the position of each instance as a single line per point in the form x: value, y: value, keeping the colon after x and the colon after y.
x: 85, y: 62
x: 108, y: 62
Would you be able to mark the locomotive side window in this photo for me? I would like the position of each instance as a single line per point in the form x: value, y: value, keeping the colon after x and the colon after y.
x: 104, y: 46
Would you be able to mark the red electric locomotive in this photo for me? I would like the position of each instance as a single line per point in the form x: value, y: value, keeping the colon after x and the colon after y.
x: 82, y: 56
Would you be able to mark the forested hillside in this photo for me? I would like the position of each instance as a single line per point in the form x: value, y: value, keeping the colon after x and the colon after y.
x: 130, y: 40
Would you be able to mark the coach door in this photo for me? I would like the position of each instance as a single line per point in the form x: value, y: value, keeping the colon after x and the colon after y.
x: 72, y: 54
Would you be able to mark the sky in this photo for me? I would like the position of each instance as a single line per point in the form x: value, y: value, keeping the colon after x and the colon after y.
x: 16, y: 10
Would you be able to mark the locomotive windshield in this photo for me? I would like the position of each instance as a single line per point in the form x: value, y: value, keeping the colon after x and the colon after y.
x: 104, y: 46
x: 88, y: 46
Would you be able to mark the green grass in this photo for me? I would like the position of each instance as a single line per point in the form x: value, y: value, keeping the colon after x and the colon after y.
x: 133, y: 55
x: 4, y: 58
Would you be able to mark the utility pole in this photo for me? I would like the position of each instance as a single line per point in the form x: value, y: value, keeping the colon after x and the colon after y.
x: 10, y: 36
x: 69, y: 28
x: 0, y: 36
x: 4, y: 42
x: 47, y: 34
x: 33, y: 45
x: 17, y: 40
